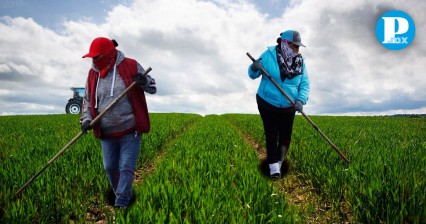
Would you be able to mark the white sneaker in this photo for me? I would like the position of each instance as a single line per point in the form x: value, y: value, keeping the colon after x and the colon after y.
x: 280, y: 163
x: 275, y: 170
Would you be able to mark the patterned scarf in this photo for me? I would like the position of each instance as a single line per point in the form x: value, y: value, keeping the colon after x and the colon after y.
x: 289, y: 62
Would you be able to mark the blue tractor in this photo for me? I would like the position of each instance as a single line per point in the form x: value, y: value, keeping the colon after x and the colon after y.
x: 74, y: 105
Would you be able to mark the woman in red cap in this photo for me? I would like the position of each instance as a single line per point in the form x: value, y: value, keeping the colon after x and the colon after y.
x: 285, y: 65
x: 120, y: 129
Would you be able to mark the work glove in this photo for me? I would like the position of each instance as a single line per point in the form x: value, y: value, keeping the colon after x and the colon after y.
x: 140, y: 79
x: 256, y: 66
x: 298, y: 106
x: 85, y: 126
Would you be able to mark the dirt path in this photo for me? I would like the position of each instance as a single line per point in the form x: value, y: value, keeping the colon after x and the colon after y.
x: 97, y: 214
x: 299, y: 193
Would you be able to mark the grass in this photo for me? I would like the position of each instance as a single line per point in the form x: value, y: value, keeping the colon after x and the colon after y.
x: 203, y: 169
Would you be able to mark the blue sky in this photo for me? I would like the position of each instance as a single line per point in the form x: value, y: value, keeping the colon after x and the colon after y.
x: 197, y: 51
x: 51, y: 13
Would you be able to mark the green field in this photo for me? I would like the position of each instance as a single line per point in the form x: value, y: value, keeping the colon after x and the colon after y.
x: 195, y: 169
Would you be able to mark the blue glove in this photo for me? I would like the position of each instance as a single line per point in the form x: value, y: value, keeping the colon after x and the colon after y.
x: 256, y: 66
x: 298, y: 106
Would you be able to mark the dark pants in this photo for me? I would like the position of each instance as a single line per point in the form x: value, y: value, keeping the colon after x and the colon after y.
x: 278, y: 126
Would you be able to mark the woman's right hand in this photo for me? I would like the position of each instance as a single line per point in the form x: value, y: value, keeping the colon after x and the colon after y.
x: 256, y: 66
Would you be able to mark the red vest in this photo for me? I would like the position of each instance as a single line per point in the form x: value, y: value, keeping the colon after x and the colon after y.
x: 127, y: 69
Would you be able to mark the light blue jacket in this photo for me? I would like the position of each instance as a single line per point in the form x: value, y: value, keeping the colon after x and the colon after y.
x: 296, y: 88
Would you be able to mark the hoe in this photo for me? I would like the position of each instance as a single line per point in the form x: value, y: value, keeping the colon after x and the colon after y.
x: 303, y: 113
x: 18, y: 193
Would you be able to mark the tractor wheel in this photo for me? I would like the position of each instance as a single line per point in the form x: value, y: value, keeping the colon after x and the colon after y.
x: 73, y: 107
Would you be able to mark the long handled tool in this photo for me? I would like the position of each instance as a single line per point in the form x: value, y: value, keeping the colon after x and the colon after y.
x: 79, y: 134
x: 303, y: 113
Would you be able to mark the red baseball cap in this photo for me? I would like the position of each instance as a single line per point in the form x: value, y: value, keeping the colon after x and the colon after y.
x: 99, y: 45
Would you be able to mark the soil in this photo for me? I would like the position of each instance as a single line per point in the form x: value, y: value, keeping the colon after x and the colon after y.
x: 99, y: 216
x: 299, y: 192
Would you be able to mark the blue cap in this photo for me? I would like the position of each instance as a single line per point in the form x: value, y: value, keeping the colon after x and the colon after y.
x: 292, y: 36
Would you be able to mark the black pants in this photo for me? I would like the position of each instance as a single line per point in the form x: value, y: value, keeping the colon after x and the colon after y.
x: 278, y: 126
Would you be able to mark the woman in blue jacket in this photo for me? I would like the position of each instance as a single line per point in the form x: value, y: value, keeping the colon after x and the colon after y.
x: 286, y: 66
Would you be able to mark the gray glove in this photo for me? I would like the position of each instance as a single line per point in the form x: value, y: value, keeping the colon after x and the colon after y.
x: 256, y: 66
x: 298, y: 106
x: 140, y: 79
x: 85, y: 126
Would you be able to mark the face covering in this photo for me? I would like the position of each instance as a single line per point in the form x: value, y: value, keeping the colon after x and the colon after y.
x: 105, y: 63
x: 290, y: 63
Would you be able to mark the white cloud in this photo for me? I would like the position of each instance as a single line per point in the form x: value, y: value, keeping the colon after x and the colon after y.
x: 348, y: 68
x: 197, y: 52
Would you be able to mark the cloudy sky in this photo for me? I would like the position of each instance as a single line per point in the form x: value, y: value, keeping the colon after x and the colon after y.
x: 197, y: 50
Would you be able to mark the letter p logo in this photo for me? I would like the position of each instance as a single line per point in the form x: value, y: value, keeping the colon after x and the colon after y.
x: 395, y: 30
x: 390, y: 28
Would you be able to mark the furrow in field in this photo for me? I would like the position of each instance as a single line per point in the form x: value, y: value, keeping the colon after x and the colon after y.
x: 151, y: 152
x: 299, y: 192
x: 207, y: 175
x: 149, y: 167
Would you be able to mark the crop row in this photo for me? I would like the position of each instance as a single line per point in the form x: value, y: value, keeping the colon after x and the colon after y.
x: 205, y: 172
x: 386, y: 180
x: 76, y: 181
x: 208, y: 175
